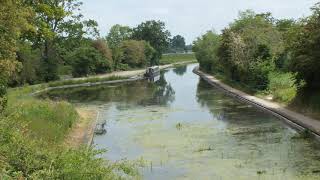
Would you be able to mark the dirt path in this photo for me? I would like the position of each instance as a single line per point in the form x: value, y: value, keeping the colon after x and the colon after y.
x: 295, y: 119
x: 83, y: 130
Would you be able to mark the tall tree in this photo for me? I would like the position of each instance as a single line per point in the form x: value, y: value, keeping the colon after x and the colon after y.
x: 117, y: 35
x: 156, y: 34
x: 59, y: 29
x: 305, y: 49
x: 248, y: 46
x: 206, y: 48
x: 178, y: 42
x: 13, y: 20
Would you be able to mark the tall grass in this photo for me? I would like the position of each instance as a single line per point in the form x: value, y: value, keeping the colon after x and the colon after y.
x: 45, y: 119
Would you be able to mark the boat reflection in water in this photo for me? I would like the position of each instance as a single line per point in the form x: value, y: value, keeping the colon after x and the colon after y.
x: 154, y: 79
x: 153, y: 74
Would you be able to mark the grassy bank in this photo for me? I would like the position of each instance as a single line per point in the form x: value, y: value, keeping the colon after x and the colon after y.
x: 32, y: 136
x: 82, y: 81
x: 175, y: 58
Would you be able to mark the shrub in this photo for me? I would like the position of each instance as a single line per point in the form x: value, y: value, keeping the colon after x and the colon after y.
x: 283, y: 86
x: 136, y: 53
x: 257, y: 76
x: 88, y: 60
x: 103, y: 48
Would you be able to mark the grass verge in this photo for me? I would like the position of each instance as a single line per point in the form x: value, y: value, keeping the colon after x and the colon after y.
x: 82, y: 81
x: 175, y: 58
x: 32, y: 136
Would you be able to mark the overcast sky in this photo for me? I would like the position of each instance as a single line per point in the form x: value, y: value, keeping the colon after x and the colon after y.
x: 190, y: 18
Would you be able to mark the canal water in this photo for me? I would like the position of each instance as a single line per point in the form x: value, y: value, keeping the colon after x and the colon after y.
x: 182, y: 128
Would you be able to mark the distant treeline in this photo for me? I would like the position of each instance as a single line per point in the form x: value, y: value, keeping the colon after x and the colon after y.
x: 262, y: 53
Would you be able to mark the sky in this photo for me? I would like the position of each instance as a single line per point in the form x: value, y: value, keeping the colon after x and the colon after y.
x: 189, y: 18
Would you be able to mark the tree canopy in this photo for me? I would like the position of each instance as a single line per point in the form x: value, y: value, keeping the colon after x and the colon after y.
x: 156, y: 34
x: 117, y: 35
x: 178, y: 43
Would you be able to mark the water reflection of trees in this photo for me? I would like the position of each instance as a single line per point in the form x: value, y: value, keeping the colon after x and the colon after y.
x: 132, y: 93
x: 223, y: 107
x: 210, y: 99
x: 162, y: 93
x: 180, y: 70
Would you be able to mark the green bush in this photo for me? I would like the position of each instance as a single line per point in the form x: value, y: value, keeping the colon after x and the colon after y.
x: 88, y: 60
x: 283, y: 86
x: 123, y: 67
x: 257, y: 76
x: 136, y: 53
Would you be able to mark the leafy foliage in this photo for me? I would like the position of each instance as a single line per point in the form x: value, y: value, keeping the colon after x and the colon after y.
x: 13, y: 21
x: 305, y: 49
x: 177, y: 44
x: 205, y: 49
x: 155, y: 33
x: 87, y: 61
x: 261, y: 53
x: 283, y: 86
x: 117, y: 35
x: 136, y: 53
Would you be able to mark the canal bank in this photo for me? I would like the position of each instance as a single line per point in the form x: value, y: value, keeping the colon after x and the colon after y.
x: 294, y: 119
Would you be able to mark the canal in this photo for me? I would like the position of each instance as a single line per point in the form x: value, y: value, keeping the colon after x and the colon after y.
x: 182, y: 128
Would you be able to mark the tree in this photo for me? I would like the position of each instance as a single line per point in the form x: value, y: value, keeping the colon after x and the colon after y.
x: 59, y: 30
x: 136, y: 53
x: 30, y: 60
x: 87, y: 61
x: 178, y: 43
x: 13, y: 20
x: 155, y: 33
x: 248, y: 48
x: 305, y: 49
x: 205, y: 49
x: 117, y: 35
x: 103, y: 48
